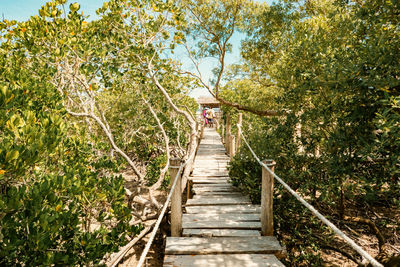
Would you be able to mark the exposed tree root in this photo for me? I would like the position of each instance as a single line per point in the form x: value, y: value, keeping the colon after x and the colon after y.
x: 374, y: 229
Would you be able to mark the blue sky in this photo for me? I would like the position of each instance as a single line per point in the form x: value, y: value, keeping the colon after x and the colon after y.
x: 21, y: 10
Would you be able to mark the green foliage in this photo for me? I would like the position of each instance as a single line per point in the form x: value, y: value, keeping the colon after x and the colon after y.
x: 248, y: 178
x: 61, y: 202
x: 332, y: 66
x: 153, y: 169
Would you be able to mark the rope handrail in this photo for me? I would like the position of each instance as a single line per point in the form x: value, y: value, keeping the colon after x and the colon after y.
x: 157, y: 225
x: 337, y: 231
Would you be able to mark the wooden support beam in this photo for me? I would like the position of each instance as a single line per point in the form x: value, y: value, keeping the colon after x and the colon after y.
x: 189, y: 189
x: 228, y: 132
x: 232, y: 149
x: 223, y: 134
x: 267, y: 196
x: 240, y: 118
x: 202, y: 131
x: 176, y: 201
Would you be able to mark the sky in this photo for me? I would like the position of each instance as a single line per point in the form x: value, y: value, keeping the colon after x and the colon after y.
x: 21, y: 10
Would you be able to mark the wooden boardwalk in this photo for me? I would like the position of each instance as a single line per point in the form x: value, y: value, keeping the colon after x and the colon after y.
x: 220, y: 225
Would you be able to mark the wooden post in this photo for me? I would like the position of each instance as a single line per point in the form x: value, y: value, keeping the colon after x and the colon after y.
x: 240, y: 118
x: 267, y: 196
x: 228, y: 132
x: 231, y: 146
x: 176, y: 201
x: 202, y: 131
x: 223, y: 133
x: 189, y: 189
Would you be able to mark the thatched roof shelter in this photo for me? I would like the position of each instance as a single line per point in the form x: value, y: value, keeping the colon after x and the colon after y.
x: 208, y: 101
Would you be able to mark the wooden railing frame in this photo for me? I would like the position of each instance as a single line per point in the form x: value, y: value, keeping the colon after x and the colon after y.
x: 176, y: 200
x: 237, y: 146
x: 267, y: 199
x: 231, y: 146
x: 228, y: 132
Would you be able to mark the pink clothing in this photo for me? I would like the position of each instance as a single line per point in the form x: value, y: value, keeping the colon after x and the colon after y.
x: 205, y: 116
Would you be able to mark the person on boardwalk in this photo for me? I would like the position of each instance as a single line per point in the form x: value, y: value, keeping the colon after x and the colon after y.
x: 205, y: 116
x: 210, y: 117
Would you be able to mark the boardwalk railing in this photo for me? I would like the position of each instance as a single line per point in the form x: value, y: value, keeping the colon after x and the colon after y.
x: 175, y: 196
x: 267, y: 196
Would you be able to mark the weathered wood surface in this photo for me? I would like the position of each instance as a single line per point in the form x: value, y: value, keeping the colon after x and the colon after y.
x: 210, y: 173
x: 224, y: 209
x: 214, y: 180
x: 222, y: 245
x: 222, y: 225
x: 219, y: 232
x: 213, y: 188
x: 210, y: 168
x: 220, y: 194
x: 235, y: 260
x: 176, y: 200
x: 212, y: 160
x: 225, y: 184
x: 225, y: 200
x: 212, y: 197
x: 208, y: 177
x: 219, y: 219
x: 267, y: 198
x: 205, y: 158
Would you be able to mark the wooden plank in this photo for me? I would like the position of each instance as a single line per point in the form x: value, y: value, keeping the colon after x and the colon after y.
x: 219, y: 160
x: 225, y: 197
x: 222, y: 158
x: 243, y: 217
x: 224, y: 209
x: 209, y: 173
x: 235, y: 260
x: 226, y: 177
x: 214, y: 185
x: 222, y: 225
x: 219, y: 232
x: 211, y: 161
x: 210, y: 169
x: 199, y: 172
x: 216, y: 193
x: 211, y: 151
x: 229, y: 185
x: 214, y: 190
x: 205, y: 153
x: 217, y: 189
x: 222, y: 245
x: 209, y: 177
x: 225, y: 200
x: 209, y: 181
x: 236, y: 195
x: 211, y: 147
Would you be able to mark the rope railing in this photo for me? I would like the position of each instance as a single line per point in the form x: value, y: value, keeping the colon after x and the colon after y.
x: 164, y: 209
x: 336, y: 230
